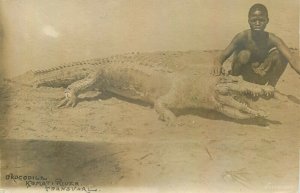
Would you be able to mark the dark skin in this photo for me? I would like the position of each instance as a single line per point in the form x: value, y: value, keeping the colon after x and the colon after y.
x: 255, y: 44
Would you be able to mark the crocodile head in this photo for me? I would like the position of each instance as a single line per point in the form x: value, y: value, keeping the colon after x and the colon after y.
x: 233, y: 97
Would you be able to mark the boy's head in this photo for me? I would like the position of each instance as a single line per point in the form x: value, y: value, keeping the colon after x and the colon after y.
x: 258, y: 17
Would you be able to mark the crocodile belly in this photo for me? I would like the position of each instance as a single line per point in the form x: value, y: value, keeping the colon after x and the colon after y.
x: 136, y: 84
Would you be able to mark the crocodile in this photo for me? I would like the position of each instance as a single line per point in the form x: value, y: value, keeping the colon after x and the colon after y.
x: 167, y: 80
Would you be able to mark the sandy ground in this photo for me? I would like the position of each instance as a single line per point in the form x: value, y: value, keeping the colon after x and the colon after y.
x: 120, y: 146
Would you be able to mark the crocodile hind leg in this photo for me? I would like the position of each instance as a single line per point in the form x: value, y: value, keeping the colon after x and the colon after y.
x: 73, y: 90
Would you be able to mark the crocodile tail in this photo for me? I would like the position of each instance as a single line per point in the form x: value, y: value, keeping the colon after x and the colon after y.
x: 61, y: 78
x: 93, y: 62
x: 26, y: 79
x: 52, y: 78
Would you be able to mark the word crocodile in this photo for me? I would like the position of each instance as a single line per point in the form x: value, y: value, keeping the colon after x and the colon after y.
x: 167, y: 80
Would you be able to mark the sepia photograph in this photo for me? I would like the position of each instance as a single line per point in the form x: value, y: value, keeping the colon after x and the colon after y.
x: 149, y: 96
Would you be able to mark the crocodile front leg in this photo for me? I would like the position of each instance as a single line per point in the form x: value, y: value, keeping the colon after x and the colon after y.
x: 73, y: 90
x: 162, y: 106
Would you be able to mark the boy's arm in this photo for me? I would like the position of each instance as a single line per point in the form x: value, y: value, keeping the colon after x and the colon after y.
x: 225, y: 54
x: 285, y: 51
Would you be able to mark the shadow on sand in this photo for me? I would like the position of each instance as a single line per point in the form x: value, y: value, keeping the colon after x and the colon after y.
x: 213, y: 115
x: 289, y: 97
x: 86, y: 163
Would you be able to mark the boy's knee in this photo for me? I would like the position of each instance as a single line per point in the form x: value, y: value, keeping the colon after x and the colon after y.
x: 276, y: 57
x: 244, y: 56
x: 279, y: 63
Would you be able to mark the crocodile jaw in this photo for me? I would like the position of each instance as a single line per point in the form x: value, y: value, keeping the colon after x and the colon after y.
x: 229, y: 92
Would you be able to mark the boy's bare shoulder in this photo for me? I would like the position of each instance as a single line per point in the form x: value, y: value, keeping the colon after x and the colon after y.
x: 242, y: 35
x: 272, y: 36
x: 275, y: 39
x: 246, y: 32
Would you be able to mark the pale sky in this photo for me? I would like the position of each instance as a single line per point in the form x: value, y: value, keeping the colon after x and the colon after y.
x: 44, y: 33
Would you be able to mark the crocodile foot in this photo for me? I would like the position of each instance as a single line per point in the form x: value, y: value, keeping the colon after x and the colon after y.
x: 70, y: 99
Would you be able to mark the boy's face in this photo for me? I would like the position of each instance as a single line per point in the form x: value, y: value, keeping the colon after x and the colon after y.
x: 258, y: 20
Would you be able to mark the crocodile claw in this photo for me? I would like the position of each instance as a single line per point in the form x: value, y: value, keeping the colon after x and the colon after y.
x: 70, y: 100
x: 168, y: 117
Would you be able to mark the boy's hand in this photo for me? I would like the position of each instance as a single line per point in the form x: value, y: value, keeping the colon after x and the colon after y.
x: 217, y: 69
